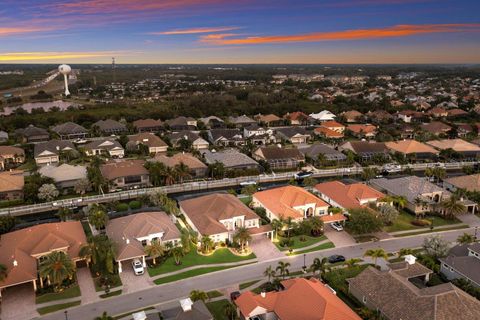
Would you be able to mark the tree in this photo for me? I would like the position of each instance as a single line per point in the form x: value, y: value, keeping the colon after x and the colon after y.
x: 369, y: 173
x: 375, y: 254
x: 400, y: 201
x: 57, y: 267
x: 282, y: 268
x: 309, y: 182
x: 316, y: 225
x: 388, y: 214
x: 319, y: 265
x: 242, y: 236
x: 64, y: 213
x: 7, y: 223
x: 249, y: 190
x: 177, y: 253
x: 216, y: 170
x: 104, y: 316
x: 277, y: 225
x: 100, y: 251
x: 230, y: 311
x: 48, y: 192
x: 182, y: 171
x: 155, y: 249
x: 82, y: 186
x: 206, y: 244
x: 435, y: 246
x: 290, y: 224
x: 465, y: 238
x: 452, y: 207
x: 3, y: 272
x: 196, y: 295
x: 352, y: 262
x: 404, y: 251
x: 97, y: 216
x: 269, y: 273
x: 362, y: 221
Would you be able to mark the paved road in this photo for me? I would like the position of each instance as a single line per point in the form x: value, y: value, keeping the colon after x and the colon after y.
x: 229, y: 277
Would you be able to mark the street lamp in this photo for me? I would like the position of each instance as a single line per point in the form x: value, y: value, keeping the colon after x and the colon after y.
x: 66, y: 314
x: 290, y: 251
x: 431, y: 226
x: 304, y: 268
x: 475, y: 236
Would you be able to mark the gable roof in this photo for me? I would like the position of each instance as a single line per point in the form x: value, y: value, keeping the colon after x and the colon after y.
x: 290, y: 132
x: 32, y: 131
x: 314, y: 150
x: 348, y: 196
x: 458, y: 145
x: 117, y: 169
x: 328, y: 133
x: 228, y: 134
x: 147, y: 123
x: 106, y: 144
x: 53, y: 146
x: 435, y: 127
x: 230, y: 158
x: 64, y: 172
x: 362, y: 128
x: 148, y: 139
x: 410, y: 146
x: 109, y: 124
x: 11, y: 151
x: 296, y: 116
x: 243, y: 119
x: 332, y: 124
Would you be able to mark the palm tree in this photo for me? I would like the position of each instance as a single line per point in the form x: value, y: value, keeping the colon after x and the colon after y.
x: 97, y: 216
x: 104, y: 316
x: 3, y: 272
x: 375, y: 254
x: 64, y: 213
x: 404, y: 251
x: 242, y: 236
x: 452, y: 207
x: 230, y: 311
x: 400, y: 202
x: 352, y: 262
x: 206, y: 244
x: 465, y: 238
x: 316, y: 225
x: 177, y: 253
x: 283, y: 269
x: 277, y: 225
x: 290, y: 224
x: 182, y: 171
x: 56, y: 267
x: 168, y: 176
x: 319, y: 265
x: 196, y: 295
x: 269, y: 273
x: 99, y: 250
x: 155, y: 249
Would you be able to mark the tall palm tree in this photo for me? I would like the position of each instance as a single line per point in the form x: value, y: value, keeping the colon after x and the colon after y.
x: 97, y: 216
x: 182, y: 171
x: 104, y: 316
x: 319, y: 265
x: 168, y: 176
x: 277, y: 225
x: 269, y: 273
x: 375, y: 254
x: 177, y: 253
x: 57, y: 266
x: 316, y: 225
x: 99, y: 250
x: 465, y: 238
x: 290, y: 224
x: 242, y: 236
x: 400, y: 202
x: 282, y: 268
x: 196, y: 295
x: 155, y: 249
x: 452, y: 207
x: 3, y: 272
x: 352, y: 262
x: 206, y: 244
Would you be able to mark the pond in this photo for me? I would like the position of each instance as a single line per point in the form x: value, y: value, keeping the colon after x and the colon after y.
x: 46, y: 106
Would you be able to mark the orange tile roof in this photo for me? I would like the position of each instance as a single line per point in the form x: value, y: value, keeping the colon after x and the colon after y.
x: 362, y: 128
x: 11, y: 181
x: 302, y: 299
x: 410, y: 146
x: 337, y: 217
x: 458, y: 145
x: 332, y: 124
x: 329, y: 133
x: 348, y: 196
x: 281, y: 201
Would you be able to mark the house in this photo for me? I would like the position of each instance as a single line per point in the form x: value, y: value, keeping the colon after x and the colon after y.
x: 269, y: 120
x: 466, y: 149
x: 436, y: 128
x: 395, y: 296
x: 148, y: 139
x: 231, y: 159
x: 462, y: 262
x: 320, y: 152
x: 301, y: 298
x: 148, y: 125
x: 104, y: 147
x: 352, y: 116
x: 292, y: 202
x: 254, y: 130
x: 198, y: 143
x: 197, y: 168
x: 226, y: 137
x: 362, y: 130
x: 295, y: 135
x: 412, y: 149
x: 279, y: 158
x: 49, y: 152
x: 219, y: 215
x: 126, y: 174
x: 3, y: 136
x: 407, y: 131
x: 181, y: 123
x: 469, y: 183
x: 438, y: 112
x: 258, y: 135
x: 70, y: 131
x: 11, y: 156
x: 409, y: 116
x: 33, y: 134
x: 109, y: 127
x: 241, y: 121
x: 379, y: 116
x: 297, y: 118
x: 21, y: 251
x: 366, y: 150
x: 212, y: 122
x: 188, y: 310
x: 464, y: 129
x: 334, y: 126
x: 322, y: 116
x: 11, y: 185
x: 132, y: 233
x: 65, y: 176
x: 348, y: 196
x: 456, y: 113
x: 327, y: 133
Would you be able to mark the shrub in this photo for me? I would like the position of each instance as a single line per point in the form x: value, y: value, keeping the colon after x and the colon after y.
x: 286, y: 243
x: 421, y: 222
x: 121, y: 207
x: 135, y: 204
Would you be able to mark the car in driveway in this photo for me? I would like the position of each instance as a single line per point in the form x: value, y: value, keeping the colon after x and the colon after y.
x: 336, y: 258
x: 137, y: 266
x: 337, y: 226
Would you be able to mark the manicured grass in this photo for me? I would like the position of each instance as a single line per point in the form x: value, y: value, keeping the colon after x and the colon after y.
x: 111, y: 294
x: 246, y: 200
x: 247, y: 284
x: 323, y: 246
x: 217, y: 309
x: 188, y: 274
x: 221, y: 255
x: 57, y: 307
x: 337, y: 277
x: 259, y: 289
x: 298, y: 244
x: 214, y: 294
x: 463, y: 226
x: 404, y: 220
x: 68, y: 293
x: 117, y: 282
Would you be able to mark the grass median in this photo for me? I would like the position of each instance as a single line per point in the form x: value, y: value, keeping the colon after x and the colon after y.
x: 298, y: 243
x: 323, y: 246
x: 57, y: 307
x: 68, y: 293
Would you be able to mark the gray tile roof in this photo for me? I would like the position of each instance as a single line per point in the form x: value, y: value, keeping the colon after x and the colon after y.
x: 319, y: 148
x: 410, y: 187
x: 54, y: 146
x: 230, y: 158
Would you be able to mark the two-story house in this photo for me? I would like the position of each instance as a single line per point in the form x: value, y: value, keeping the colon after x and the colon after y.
x: 126, y: 174
x: 462, y: 262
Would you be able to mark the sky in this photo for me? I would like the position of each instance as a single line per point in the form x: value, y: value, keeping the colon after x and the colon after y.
x: 240, y: 31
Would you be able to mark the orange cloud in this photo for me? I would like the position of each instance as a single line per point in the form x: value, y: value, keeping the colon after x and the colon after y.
x: 31, y: 56
x: 195, y: 30
x: 360, y: 34
x: 8, y: 31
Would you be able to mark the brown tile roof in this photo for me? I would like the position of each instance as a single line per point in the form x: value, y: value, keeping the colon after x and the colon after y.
x: 362, y: 128
x: 281, y: 201
x: 302, y: 299
x: 22, y: 246
x: 186, y: 158
x: 206, y: 211
x: 148, y: 139
x: 267, y: 118
x: 297, y: 115
x: 9, y: 151
x: 147, y: 123
x: 274, y: 153
x: 125, y: 231
x: 436, y: 127
x: 11, y: 181
x: 348, y: 196
x: 124, y: 168
x: 410, y: 146
x: 458, y: 145
x: 469, y: 183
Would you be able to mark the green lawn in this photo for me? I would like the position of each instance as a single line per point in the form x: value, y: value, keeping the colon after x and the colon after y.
x: 221, y: 255
x: 71, y: 292
x: 111, y: 294
x: 463, y: 226
x: 217, y: 309
x: 298, y: 244
x: 214, y: 294
x: 246, y: 200
x: 404, y: 220
x: 57, y: 307
x: 323, y: 246
x: 188, y: 274
x: 247, y: 284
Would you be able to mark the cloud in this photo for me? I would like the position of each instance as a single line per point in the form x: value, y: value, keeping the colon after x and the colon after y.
x: 195, y: 30
x: 9, y: 31
x: 355, y: 34
x: 32, y: 56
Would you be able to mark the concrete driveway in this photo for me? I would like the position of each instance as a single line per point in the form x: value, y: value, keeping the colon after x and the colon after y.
x: 18, y: 302
x: 132, y: 282
x: 339, y: 238
x: 264, y: 249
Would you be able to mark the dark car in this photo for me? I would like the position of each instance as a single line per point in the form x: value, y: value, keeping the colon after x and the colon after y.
x: 336, y: 258
x: 234, y: 295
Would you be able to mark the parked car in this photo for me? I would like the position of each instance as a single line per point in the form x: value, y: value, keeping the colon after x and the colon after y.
x: 337, y: 226
x: 138, y: 267
x: 336, y: 258
x: 303, y: 174
x: 234, y: 295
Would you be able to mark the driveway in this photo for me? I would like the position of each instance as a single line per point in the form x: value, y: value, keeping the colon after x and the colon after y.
x: 18, y: 302
x: 131, y: 282
x: 85, y: 281
x: 339, y: 238
x: 264, y: 249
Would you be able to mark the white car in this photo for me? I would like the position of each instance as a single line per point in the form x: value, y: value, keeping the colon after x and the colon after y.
x: 337, y: 226
x: 138, y: 267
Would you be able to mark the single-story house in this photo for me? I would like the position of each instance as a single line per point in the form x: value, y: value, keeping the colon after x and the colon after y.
x: 197, y: 168
x: 362, y: 130
x: 322, y: 151
x: 348, y: 196
x: 231, y: 159
x: 109, y: 127
x: 126, y: 174
x: 412, y: 149
x: 70, y: 131
x: 181, y: 123
x: 153, y: 142
x: 11, y: 185
x: 241, y: 121
x: 65, y: 176
x: 466, y: 149
x: 33, y: 134
x: 295, y: 135
x: 366, y: 150
x: 462, y: 262
x: 49, y: 152
x: 11, y: 156
x: 269, y: 120
x: 327, y: 133
x: 279, y: 158
x: 104, y: 147
x: 148, y: 125
x: 187, y: 310
x: 297, y: 118
x: 212, y: 122
x: 469, y: 183
x: 351, y: 116
x: 226, y: 137
x: 322, y: 116
x: 436, y: 128
x: 198, y: 143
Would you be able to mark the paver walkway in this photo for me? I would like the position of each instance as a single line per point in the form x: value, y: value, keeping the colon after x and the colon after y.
x: 19, y: 303
x: 87, y: 288
x: 132, y: 282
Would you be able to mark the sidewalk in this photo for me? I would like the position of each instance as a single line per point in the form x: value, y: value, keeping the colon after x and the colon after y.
x: 423, y: 230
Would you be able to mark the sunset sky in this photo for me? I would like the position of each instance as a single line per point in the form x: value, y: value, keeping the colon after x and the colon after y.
x: 241, y: 31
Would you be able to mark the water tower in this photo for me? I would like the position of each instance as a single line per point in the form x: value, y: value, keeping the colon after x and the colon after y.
x: 65, y: 70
